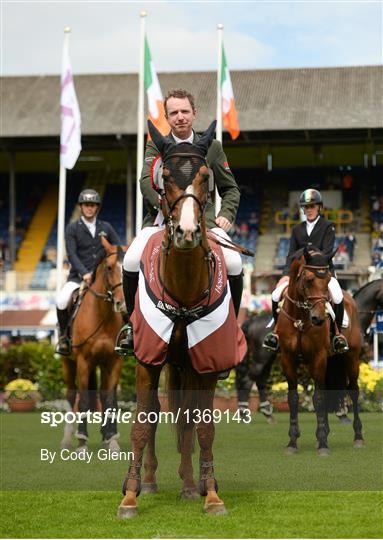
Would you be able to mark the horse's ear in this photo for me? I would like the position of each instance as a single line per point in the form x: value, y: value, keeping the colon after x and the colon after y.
x: 207, y: 137
x: 161, y: 142
x: 107, y: 246
x: 329, y: 257
x: 306, y: 255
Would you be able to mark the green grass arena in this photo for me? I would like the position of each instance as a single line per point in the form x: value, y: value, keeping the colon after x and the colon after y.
x: 267, y: 493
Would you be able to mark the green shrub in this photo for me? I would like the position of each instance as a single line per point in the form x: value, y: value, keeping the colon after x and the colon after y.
x: 34, y: 361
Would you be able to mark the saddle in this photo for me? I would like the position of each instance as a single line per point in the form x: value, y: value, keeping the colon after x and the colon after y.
x: 74, y: 305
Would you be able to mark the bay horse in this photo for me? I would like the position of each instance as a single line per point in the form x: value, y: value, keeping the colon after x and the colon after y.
x: 94, y: 331
x: 183, y: 260
x: 304, y: 331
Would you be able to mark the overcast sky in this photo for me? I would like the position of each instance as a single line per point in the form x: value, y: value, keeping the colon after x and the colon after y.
x: 182, y: 35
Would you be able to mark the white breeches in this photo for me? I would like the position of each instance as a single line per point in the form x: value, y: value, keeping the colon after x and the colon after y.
x: 333, y: 286
x: 133, y: 255
x: 65, y: 294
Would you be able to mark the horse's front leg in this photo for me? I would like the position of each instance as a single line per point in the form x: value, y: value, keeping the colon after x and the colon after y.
x: 318, y: 371
x: 288, y: 366
x: 69, y: 375
x: 149, y: 484
x: 146, y: 385
x: 110, y: 375
x: 205, y: 432
x: 83, y: 370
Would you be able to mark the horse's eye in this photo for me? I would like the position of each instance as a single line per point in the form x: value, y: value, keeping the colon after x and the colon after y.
x: 109, y: 268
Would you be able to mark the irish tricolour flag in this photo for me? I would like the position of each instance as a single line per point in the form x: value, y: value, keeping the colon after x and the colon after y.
x: 229, y: 112
x: 153, y: 90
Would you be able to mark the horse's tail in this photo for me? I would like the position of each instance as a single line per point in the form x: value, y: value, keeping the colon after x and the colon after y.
x: 182, y: 390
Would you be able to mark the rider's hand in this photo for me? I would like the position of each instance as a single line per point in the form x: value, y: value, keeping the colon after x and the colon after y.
x: 87, y: 278
x: 223, y: 223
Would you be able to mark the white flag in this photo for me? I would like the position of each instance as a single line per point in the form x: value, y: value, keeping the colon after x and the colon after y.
x: 70, y: 139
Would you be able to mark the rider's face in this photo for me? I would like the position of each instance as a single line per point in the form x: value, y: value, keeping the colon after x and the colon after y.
x: 89, y: 210
x: 180, y: 116
x: 311, y: 211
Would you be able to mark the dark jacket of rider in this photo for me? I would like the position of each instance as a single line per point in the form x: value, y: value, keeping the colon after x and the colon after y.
x: 322, y: 237
x: 83, y: 250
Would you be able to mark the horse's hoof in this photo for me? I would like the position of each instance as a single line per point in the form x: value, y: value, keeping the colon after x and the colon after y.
x: 189, y: 494
x: 323, y: 452
x: 149, y: 487
x: 113, y: 446
x: 216, y: 509
x: 66, y: 445
x: 127, y: 512
x: 81, y: 451
x: 271, y: 420
x: 291, y: 450
x: 344, y: 419
x: 359, y: 443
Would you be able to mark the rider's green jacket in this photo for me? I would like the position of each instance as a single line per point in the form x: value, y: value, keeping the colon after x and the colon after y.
x: 223, y: 177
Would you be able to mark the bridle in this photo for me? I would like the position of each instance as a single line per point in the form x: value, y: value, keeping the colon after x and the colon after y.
x: 168, y: 210
x: 309, y: 301
x: 107, y: 297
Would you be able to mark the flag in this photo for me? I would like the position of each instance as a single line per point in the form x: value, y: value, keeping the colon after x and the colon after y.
x: 153, y: 90
x: 70, y: 138
x: 229, y: 112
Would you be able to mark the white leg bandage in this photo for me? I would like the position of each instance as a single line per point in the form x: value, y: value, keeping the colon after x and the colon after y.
x: 133, y: 255
x: 335, y: 290
x: 277, y: 293
x: 232, y: 258
x: 64, y: 295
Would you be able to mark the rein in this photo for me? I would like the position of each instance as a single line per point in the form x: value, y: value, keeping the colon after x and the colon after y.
x: 107, y: 297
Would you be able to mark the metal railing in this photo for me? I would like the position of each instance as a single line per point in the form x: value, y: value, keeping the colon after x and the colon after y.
x: 338, y: 217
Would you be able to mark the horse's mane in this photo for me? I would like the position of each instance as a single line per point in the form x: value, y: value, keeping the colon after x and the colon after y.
x: 99, y: 260
x: 365, y: 286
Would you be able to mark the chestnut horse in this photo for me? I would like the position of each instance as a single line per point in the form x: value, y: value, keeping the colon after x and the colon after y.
x: 304, y: 331
x: 184, y: 269
x: 94, y: 331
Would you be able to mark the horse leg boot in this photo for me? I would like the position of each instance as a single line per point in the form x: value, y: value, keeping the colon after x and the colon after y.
x: 129, y: 284
x: 146, y: 384
x: 339, y: 341
x: 271, y: 341
x: 63, y: 346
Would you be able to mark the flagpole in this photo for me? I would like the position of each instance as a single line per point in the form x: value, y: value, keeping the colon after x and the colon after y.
x: 61, y: 208
x: 140, y: 123
x: 219, y: 105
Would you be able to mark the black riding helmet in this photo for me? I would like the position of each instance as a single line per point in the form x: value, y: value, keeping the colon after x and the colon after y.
x: 310, y: 196
x: 89, y: 196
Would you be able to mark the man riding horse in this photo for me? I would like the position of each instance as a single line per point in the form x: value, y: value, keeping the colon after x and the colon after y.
x: 180, y: 113
x: 316, y: 232
x: 84, y: 247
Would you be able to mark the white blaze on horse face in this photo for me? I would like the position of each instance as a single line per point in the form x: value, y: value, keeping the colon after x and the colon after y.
x: 188, y: 223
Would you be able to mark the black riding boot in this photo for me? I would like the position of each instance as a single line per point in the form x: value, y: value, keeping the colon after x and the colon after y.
x: 271, y: 341
x: 63, y: 346
x: 236, y: 288
x: 129, y: 284
x: 339, y: 342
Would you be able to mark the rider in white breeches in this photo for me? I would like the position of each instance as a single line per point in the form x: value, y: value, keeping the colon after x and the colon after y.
x: 315, y: 232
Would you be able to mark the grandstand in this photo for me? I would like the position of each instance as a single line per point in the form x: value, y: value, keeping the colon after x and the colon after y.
x: 289, y: 141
